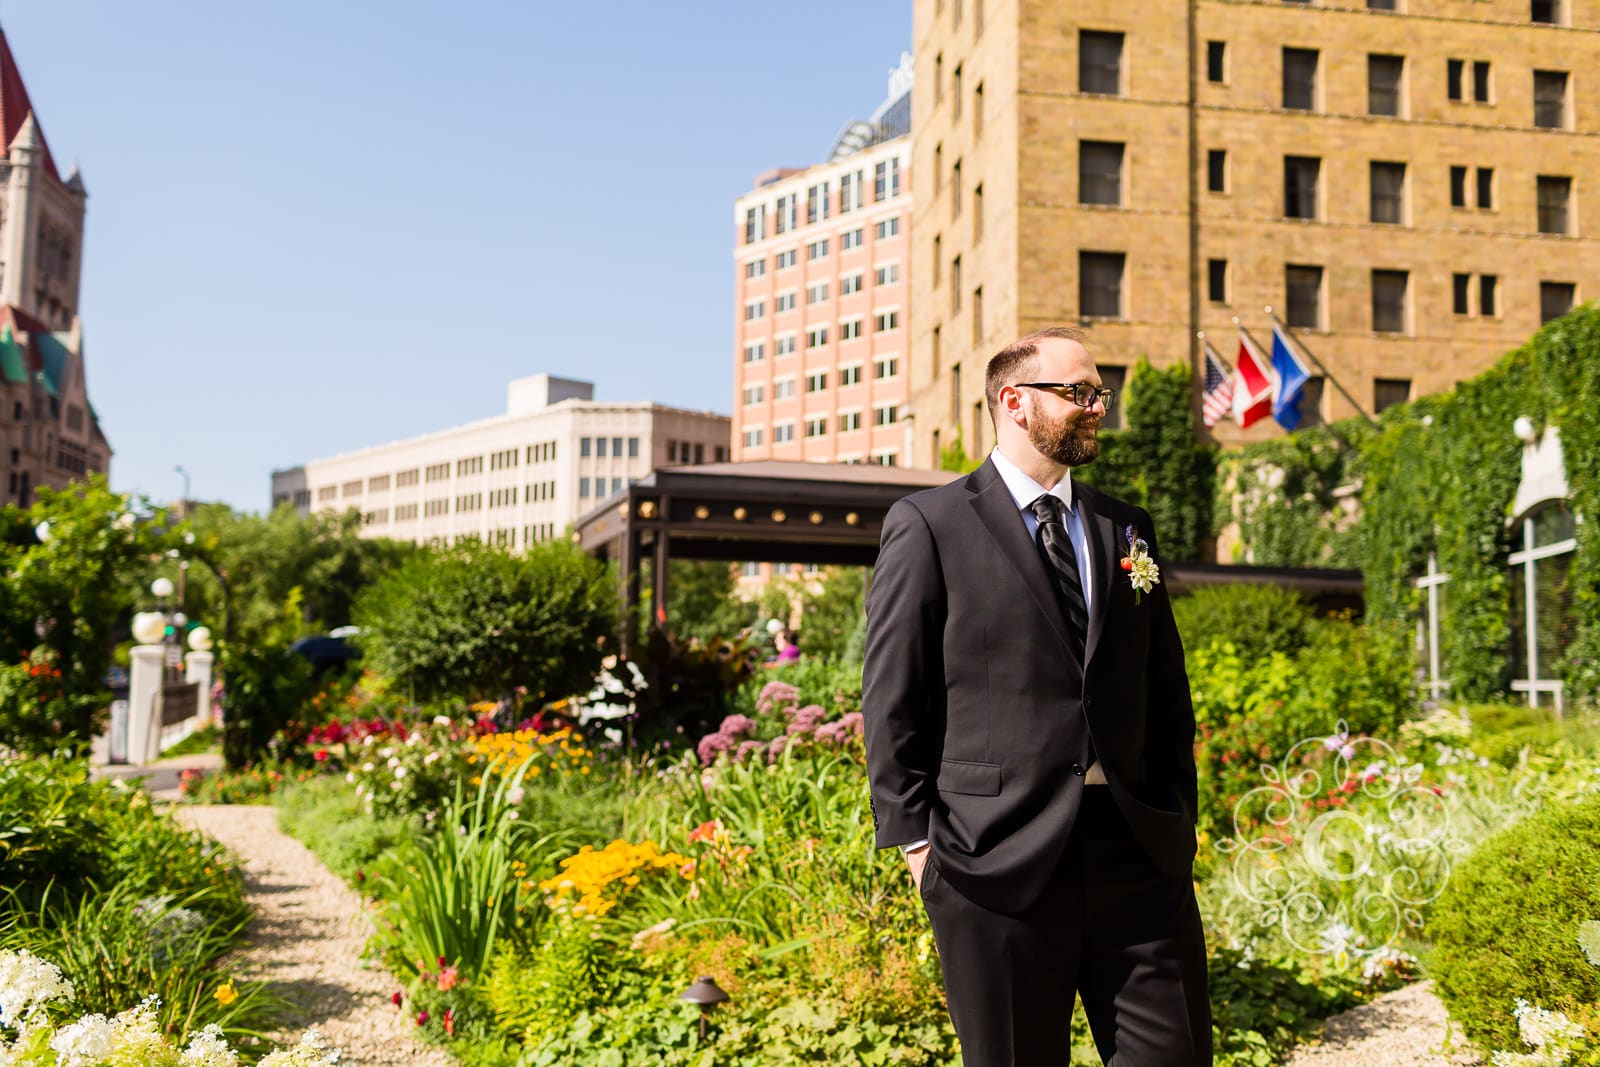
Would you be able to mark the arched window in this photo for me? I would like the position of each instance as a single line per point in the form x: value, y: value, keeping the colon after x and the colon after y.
x: 1542, y: 622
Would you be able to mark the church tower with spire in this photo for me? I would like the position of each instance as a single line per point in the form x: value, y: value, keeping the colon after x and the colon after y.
x: 49, y: 433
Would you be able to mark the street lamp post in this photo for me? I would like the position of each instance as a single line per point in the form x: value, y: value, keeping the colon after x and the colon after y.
x: 179, y: 469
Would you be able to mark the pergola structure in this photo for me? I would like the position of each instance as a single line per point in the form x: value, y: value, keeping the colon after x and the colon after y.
x: 771, y: 511
x: 765, y: 511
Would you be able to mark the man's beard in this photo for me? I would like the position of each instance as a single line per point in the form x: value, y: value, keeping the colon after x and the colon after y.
x: 1072, y: 444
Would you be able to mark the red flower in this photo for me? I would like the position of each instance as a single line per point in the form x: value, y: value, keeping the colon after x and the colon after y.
x: 450, y: 1021
x: 397, y: 999
x: 321, y: 755
x: 422, y: 1018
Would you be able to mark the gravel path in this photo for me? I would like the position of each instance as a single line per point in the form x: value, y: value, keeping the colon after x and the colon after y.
x: 306, y: 942
x: 1405, y: 1028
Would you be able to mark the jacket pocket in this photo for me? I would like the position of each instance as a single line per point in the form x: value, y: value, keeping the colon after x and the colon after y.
x: 973, y: 779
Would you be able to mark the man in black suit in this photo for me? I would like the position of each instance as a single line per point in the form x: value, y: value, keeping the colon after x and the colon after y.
x: 1030, y: 738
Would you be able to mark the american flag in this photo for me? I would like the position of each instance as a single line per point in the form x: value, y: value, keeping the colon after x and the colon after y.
x: 1217, y: 397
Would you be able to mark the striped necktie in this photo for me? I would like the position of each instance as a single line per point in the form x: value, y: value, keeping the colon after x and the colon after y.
x: 1062, y: 563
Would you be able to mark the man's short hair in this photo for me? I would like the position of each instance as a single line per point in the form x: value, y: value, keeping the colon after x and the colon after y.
x: 1015, y: 361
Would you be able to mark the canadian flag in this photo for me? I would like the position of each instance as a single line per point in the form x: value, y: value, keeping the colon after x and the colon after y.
x: 1253, y: 385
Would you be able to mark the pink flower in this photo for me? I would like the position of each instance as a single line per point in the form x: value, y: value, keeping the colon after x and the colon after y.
x: 737, y: 725
x: 422, y: 1018
x: 748, y: 750
x: 712, y: 745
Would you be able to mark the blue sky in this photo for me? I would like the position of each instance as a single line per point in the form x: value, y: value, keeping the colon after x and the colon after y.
x: 319, y: 226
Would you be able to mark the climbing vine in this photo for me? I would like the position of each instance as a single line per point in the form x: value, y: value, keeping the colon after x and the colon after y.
x: 1440, y: 474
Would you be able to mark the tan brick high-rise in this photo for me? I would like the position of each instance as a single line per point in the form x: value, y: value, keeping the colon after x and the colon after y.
x: 1403, y: 181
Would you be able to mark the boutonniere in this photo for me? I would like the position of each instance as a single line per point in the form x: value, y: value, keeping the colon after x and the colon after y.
x: 1142, y: 570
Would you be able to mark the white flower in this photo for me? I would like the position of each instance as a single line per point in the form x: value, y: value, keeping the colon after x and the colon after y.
x: 1143, y: 573
x: 394, y: 761
x: 395, y: 785
x: 369, y: 767
x: 1539, y: 1027
x: 310, y: 1052
x: 430, y: 759
x: 208, y: 1049
x: 513, y: 814
x: 399, y: 772
x: 27, y: 984
x: 441, y: 720
x: 516, y: 795
x: 350, y: 776
x: 86, y: 1042
x: 369, y: 741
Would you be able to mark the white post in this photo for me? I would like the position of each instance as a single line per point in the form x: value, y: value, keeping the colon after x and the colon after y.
x: 144, y: 699
x: 197, y: 669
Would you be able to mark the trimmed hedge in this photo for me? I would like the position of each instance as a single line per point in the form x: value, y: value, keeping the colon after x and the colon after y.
x: 1507, y: 926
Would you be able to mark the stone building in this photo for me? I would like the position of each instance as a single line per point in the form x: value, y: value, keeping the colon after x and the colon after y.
x: 49, y: 433
x: 1399, y: 180
x: 514, y: 479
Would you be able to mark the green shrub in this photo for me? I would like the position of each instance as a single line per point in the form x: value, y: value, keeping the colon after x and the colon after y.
x: 1508, y: 925
x: 326, y: 815
x: 1256, y: 619
x: 266, y: 686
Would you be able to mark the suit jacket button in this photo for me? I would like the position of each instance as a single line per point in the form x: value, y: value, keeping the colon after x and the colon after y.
x: 1077, y: 769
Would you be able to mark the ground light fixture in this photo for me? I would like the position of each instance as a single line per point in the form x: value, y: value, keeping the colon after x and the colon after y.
x: 1524, y: 430
x: 707, y: 994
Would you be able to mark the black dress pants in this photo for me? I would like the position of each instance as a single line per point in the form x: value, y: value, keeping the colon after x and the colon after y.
x: 1110, y: 927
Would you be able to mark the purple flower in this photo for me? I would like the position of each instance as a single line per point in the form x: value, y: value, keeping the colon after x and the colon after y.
x: 777, y: 695
x: 853, y: 723
x: 775, y: 749
x: 747, y: 750
x: 833, y: 733
x: 711, y: 745
x: 737, y: 725
x: 809, y: 716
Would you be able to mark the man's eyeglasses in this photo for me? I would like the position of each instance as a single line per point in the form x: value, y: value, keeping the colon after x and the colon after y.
x: 1080, y: 393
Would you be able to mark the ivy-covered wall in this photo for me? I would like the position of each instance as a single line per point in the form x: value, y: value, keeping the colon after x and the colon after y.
x: 1440, y: 473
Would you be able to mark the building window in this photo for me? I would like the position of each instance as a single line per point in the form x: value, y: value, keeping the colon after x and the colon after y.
x: 851, y: 239
x: 1389, y: 301
x: 752, y: 438
x: 955, y: 286
x: 783, y: 302
x: 755, y: 268
x: 1382, y: 5
x: 600, y: 447
x: 754, y: 394
x: 782, y: 389
x: 1458, y: 186
x: 956, y: 93
x: 1100, y: 284
x: 1485, y: 188
x: 887, y: 228
x: 850, y: 283
x: 850, y: 375
x: 1302, y: 287
x: 1487, y: 295
x: 849, y: 421
x: 977, y: 112
x: 1550, y: 99
x: 817, y: 381
x: 1547, y: 12
x: 977, y: 213
x: 1385, y: 75
x: 755, y: 352
x: 977, y: 317
x: 1099, y: 62
x: 886, y: 367
x: 1388, y: 192
x: 1300, y: 174
x: 1217, y: 281
x: 817, y: 249
x: 886, y: 275
x: 849, y: 329
x: 787, y: 258
x: 1555, y: 201
x: 755, y: 309
x: 1555, y: 300
x: 1100, y: 172
x: 885, y: 414
x: 1434, y: 620
x: 755, y: 224
x: 1217, y: 170
x: 1461, y: 293
x: 885, y: 321
x: 784, y: 212
x: 886, y: 178
x: 816, y: 292
x: 817, y: 426
x: 1300, y: 79
x: 1216, y: 61
x: 783, y: 433
x: 817, y: 203
x: 1454, y: 79
x: 938, y: 77
x: 1480, y: 82
x: 1542, y: 619
x: 784, y: 346
x: 816, y: 337
x: 1387, y: 392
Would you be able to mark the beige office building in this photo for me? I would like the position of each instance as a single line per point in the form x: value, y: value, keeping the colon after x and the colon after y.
x: 515, y: 479
x: 1401, y: 181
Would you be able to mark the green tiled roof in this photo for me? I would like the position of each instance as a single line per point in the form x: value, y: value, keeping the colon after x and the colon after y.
x: 13, y: 363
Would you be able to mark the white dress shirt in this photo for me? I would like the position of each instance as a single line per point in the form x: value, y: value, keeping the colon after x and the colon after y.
x: 1024, y: 490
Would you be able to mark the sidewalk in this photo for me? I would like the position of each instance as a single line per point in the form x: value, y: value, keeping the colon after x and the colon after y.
x: 161, y: 777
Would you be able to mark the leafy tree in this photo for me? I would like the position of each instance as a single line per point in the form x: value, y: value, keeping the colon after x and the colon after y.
x: 61, y: 604
x: 831, y: 617
x: 953, y: 457
x: 703, y: 601
x: 475, y: 622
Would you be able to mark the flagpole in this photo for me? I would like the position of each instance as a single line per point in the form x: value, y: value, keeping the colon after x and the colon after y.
x: 1320, y: 366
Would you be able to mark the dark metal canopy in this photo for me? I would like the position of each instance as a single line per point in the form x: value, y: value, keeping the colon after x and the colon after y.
x: 771, y: 511
x: 765, y: 511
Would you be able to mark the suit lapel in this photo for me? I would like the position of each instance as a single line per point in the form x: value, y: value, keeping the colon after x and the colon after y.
x: 997, y: 510
x: 1102, y: 535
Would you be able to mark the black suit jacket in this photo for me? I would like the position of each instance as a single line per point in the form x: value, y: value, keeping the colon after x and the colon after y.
x: 976, y: 706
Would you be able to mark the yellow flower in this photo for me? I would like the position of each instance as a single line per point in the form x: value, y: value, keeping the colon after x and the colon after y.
x: 227, y: 994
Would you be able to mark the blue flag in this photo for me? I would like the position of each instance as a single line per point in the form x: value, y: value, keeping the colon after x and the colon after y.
x: 1292, y: 375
